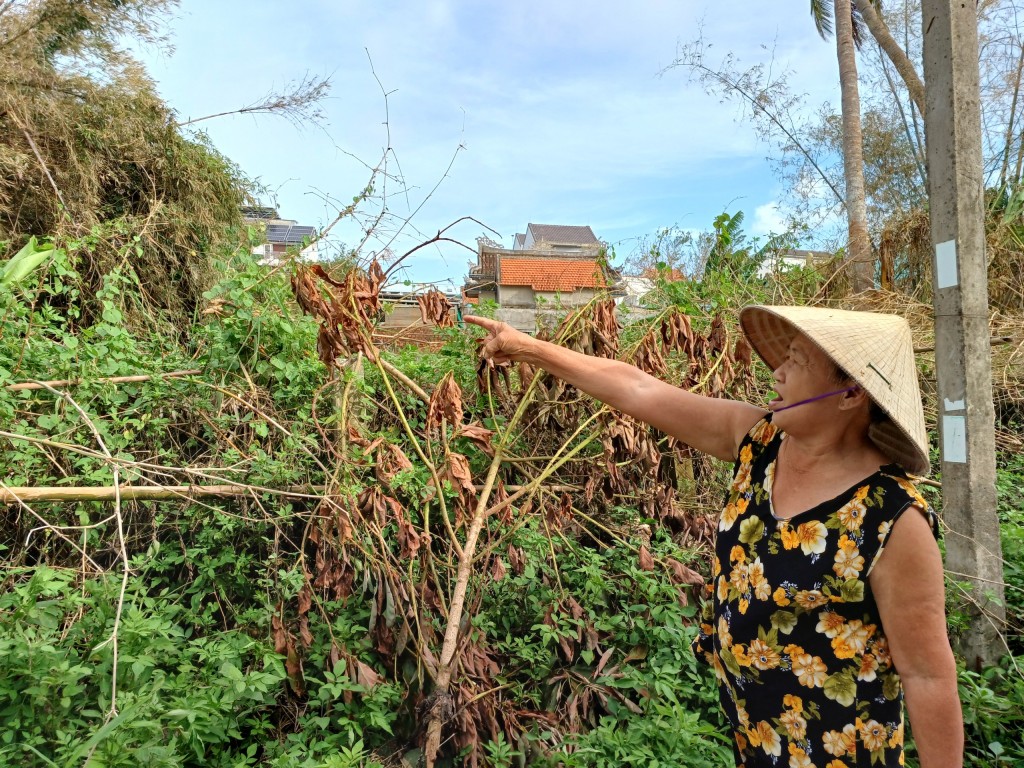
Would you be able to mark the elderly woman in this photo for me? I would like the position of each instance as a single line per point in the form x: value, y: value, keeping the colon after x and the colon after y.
x: 827, y: 604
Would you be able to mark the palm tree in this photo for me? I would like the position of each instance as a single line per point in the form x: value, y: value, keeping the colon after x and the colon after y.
x: 859, y: 258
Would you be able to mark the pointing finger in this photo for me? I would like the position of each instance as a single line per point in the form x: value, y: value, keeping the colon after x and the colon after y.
x: 484, y: 322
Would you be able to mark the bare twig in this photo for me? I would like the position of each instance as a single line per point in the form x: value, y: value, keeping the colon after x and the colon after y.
x: 33, y: 385
x: 39, y: 157
x: 297, y: 102
x: 122, y: 547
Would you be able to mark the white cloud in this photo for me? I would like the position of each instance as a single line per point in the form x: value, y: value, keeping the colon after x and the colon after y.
x: 559, y: 106
x: 768, y: 220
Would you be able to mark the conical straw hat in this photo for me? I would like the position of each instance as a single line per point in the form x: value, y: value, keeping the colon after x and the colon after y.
x: 877, y: 352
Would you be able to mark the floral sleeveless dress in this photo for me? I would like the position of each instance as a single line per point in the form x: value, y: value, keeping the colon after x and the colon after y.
x: 791, y: 627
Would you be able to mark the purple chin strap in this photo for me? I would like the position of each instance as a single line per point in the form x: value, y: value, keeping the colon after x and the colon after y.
x: 819, y: 397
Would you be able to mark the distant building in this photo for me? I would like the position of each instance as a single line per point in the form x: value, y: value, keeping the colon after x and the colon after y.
x: 282, y: 236
x: 557, y: 237
x: 548, y: 266
x: 795, y: 257
x: 633, y: 291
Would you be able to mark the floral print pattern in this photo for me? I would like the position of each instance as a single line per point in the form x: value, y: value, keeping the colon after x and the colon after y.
x: 790, y: 625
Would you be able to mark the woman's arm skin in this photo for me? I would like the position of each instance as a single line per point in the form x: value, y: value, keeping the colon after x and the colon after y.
x: 908, y: 585
x: 711, y: 425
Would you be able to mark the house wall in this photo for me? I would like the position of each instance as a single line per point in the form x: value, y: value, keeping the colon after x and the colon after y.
x: 523, y: 296
x: 573, y: 299
x: 516, y: 296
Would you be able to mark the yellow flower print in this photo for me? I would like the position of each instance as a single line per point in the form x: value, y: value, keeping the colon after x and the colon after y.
x: 912, y: 492
x: 741, y: 742
x: 793, y: 702
x: 809, y: 599
x: 795, y: 725
x: 790, y: 538
x: 716, y: 664
x: 862, y: 492
x: 762, y: 591
x: 746, y: 454
x: 732, y: 512
x: 744, y: 605
x: 741, y: 483
x: 724, y: 635
x: 852, y: 639
x: 839, y: 743
x: 738, y: 577
x: 896, y: 740
x: 830, y: 623
x: 764, y: 736
x: 836, y: 764
x: 762, y: 655
x: 729, y: 515
x: 873, y: 734
x: 737, y: 555
x: 723, y: 588
x: 763, y: 432
x: 812, y: 537
x: 868, y: 668
x: 834, y: 743
x: 716, y: 566
x: 883, y: 531
x: 779, y: 596
x: 739, y: 653
x: 769, y: 478
x: 792, y: 650
x: 881, y: 652
x: 810, y: 670
x: 849, y: 562
x: 852, y: 514
x: 742, y: 716
x: 755, y: 573
x: 798, y: 758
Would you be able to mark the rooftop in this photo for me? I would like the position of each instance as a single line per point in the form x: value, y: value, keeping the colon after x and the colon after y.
x: 560, y: 234
x: 562, y: 275
x: 289, y: 234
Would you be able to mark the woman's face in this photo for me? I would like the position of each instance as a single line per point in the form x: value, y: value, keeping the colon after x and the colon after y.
x: 805, y: 372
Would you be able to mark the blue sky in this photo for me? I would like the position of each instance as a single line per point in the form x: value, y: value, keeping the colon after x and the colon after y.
x: 558, y: 107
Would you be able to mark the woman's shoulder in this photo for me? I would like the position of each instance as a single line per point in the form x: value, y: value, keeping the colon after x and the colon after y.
x: 896, y: 492
x: 763, y: 432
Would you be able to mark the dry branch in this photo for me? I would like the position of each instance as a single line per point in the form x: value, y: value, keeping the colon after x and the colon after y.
x: 16, y: 495
x: 56, y: 383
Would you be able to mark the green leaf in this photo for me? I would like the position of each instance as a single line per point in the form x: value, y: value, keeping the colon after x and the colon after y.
x: 25, y: 261
x: 841, y: 688
x: 852, y: 591
x: 751, y: 530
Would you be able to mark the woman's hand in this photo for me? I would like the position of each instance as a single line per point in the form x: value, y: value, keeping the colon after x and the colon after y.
x: 503, y: 343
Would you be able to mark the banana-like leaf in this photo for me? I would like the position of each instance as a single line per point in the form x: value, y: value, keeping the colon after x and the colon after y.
x: 25, y: 261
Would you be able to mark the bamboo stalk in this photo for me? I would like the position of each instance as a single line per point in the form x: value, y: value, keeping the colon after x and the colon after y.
x: 995, y: 341
x: 12, y: 495
x: 112, y: 380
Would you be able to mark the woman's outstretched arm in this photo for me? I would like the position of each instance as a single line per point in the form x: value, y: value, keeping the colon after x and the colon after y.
x: 709, y: 424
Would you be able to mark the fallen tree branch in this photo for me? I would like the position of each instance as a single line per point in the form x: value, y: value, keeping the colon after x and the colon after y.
x: 19, y: 495
x: 56, y: 383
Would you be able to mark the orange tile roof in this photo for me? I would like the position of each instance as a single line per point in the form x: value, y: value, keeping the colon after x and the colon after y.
x: 551, y: 274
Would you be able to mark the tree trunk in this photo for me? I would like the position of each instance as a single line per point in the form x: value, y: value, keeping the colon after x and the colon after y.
x: 880, y: 31
x: 859, y: 258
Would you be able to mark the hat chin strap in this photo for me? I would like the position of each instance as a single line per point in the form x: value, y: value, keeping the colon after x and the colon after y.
x: 818, y: 397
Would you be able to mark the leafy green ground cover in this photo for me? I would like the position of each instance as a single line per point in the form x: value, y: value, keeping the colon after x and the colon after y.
x: 589, y: 642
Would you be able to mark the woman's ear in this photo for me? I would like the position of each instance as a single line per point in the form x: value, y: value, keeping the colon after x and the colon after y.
x: 856, y: 397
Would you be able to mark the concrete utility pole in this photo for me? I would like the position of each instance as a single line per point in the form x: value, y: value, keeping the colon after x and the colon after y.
x: 962, y: 351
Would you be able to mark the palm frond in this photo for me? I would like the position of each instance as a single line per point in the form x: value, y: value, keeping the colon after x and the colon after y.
x: 821, y: 12
x: 859, y: 31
